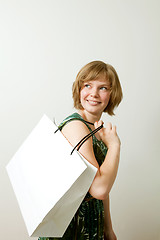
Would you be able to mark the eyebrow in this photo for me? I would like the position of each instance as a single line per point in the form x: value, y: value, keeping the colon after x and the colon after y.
x: 100, y: 85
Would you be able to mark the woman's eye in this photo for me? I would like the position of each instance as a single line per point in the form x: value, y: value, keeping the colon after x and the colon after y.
x: 87, y: 85
x: 104, y: 88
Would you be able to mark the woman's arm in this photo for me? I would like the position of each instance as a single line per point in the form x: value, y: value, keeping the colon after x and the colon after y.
x: 105, y: 178
x: 106, y: 174
x: 108, y: 230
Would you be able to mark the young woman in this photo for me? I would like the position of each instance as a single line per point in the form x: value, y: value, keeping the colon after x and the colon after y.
x: 96, y: 90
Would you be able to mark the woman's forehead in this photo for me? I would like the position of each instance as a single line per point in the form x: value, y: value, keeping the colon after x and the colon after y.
x: 100, y: 80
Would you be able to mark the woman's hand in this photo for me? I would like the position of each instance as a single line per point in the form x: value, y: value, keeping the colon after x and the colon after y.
x: 110, y: 235
x: 108, y: 135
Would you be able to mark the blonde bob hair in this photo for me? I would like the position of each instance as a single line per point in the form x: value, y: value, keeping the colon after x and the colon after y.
x: 92, y: 71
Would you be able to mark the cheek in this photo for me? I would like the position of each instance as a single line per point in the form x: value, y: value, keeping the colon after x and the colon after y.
x: 105, y: 98
x: 83, y: 94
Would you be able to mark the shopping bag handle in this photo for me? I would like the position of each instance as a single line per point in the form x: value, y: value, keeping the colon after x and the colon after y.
x: 80, y: 143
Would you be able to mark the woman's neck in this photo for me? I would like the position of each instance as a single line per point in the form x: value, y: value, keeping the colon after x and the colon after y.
x: 89, y: 116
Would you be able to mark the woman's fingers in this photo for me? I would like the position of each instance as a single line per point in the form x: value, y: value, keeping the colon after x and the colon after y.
x: 108, y: 134
x: 114, y: 128
x: 98, y: 123
x: 109, y: 126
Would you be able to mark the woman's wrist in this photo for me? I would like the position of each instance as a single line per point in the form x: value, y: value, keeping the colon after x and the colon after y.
x: 114, y: 147
x: 108, y: 225
x: 108, y: 230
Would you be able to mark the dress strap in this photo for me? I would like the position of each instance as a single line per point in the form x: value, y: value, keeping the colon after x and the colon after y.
x: 71, y: 119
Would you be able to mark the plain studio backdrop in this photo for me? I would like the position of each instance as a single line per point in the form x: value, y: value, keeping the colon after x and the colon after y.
x: 43, y: 44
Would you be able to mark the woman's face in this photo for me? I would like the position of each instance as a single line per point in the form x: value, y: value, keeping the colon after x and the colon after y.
x: 95, y: 95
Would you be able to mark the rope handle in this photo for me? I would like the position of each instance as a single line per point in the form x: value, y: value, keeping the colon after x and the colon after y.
x: 86, y: 138
x: 80, y: 143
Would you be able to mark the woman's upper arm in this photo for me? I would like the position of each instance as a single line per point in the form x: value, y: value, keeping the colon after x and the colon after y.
x: 74, y: 131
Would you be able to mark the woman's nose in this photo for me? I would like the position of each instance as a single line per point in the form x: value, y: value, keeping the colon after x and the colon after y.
x: 94, y: 92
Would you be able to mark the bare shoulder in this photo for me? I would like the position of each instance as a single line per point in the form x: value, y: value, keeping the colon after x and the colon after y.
x: 74, y: 131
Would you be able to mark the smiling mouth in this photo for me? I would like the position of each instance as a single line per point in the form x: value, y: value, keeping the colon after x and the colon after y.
x: 93, y: 102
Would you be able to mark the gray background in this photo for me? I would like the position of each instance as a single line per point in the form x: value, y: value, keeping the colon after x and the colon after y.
x: 43, y: 44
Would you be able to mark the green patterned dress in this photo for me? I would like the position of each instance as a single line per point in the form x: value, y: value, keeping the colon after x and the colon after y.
x: 88, y: 222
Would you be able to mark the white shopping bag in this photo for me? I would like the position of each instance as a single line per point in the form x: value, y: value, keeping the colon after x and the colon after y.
x: 49, y: 183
